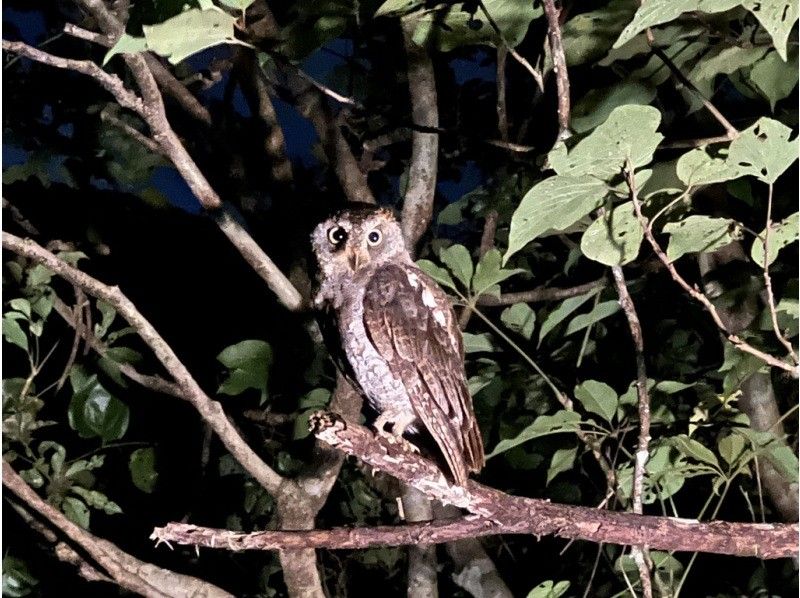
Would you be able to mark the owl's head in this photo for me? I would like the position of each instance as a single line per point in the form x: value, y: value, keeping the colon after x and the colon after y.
x: 357, y: 237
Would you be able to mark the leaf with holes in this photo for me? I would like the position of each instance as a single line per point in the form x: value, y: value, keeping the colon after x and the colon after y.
x: 699, y: 234
x: 774, y: 77
x: 781, y: 234
x: 614, y: 238
x: 553, y: 204
x: 697, y: 167
x: 764, y: 150
x: 777, y: 17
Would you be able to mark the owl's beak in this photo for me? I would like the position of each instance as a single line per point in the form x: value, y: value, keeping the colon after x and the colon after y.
x: 358, y: 257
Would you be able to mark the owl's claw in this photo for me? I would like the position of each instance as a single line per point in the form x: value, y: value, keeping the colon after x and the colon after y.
x: 398, y: 441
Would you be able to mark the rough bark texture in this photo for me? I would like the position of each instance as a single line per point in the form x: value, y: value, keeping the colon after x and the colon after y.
x: 422, y: 580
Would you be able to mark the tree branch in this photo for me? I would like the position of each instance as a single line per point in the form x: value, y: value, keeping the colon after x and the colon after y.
x: 504, y: 513
x: 418, y: 200
x: 640, y: 553
x: 693, y: 292
x: 127, y: 571
x: 559, y: 67
x: 541, y: 294
x: 210, y: 411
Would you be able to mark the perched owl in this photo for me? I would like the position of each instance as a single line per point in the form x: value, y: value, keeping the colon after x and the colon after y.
x: 396, y: 334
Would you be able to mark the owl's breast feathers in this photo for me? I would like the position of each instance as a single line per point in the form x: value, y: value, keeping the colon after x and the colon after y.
x: 411, y: 324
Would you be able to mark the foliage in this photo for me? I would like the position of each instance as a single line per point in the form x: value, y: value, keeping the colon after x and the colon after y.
x: 546, y: 376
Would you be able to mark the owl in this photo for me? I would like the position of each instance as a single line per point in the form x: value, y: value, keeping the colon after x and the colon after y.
x: 396, y: 335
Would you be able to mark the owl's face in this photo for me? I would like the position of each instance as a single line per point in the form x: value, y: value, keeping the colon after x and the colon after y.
x: 357, y: 238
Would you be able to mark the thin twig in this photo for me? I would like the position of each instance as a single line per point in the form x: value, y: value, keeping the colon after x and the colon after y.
x: 537, y: 76
x: 768, y: 281
x: 640, y: 554
x: 543, y: 293
x: 693, y: 292
x: 502, y: 109
x: 559, y: 67
x: 146, y: 141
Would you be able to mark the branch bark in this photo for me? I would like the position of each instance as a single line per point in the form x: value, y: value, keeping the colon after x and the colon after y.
x: 504, y: 513
x: 418, y: 200
x: 127, y: 571
x: 559, y: 67
x: 541, y: 294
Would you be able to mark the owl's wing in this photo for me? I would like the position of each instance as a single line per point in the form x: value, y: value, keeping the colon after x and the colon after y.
x: 412, y: 326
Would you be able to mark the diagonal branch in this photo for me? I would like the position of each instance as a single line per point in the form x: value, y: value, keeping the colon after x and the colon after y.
x: 127, y: 571
x: 504, y: 513
x: 210, y: 411
x: 694, y: 293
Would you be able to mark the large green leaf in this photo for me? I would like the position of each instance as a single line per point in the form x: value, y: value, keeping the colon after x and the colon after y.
x: 597, y: 397
x: 448, y: 26
x: 13, y: 333
x: 520, y: 318
x: 657, y: 12
x: 774, y: 77
x: 598, y: 104
x: 458, y: 259
x: 629, y: 133
x: 764, y: 150
x: 94, y: 411
x: 589, y: 35
x: 699, y: 234
x: 438, y: 273
x: 614, y: 238
x: 777, y: 17
x: 248, y: 363
x: 553, y: 204
x: 560, y: 421
x: 562, y: 460
x: 697, y: 167
x: 692, y: 448
x: 599, y: 312
x: 781, y: 234
x: 142, y: 467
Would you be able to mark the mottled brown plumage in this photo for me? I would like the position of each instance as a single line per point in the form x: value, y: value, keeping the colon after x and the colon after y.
x: 400, y: 338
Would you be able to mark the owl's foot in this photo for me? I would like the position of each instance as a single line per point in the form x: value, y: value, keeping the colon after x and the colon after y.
x: 395, y: 437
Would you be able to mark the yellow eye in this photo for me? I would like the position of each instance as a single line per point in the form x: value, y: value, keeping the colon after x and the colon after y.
x: 337, y: 235
x: 374, y: 237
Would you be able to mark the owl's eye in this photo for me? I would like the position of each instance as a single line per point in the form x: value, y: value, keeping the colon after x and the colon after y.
x: 337, y: 235
x: 374, y: 237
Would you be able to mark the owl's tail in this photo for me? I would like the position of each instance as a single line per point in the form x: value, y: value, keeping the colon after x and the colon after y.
x: 473, y: 447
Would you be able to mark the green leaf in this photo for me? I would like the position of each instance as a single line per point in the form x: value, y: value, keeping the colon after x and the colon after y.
x: 189, y: 33
x: 781, y: 234
x: 93, y: 411
x: 723, y: 60
x: 17, y: 580
x: 697, y: 167
x: 476, y: 343
x: 13, y: 333
x: 777, y: 17
x: 598, y: 397
x: 76, y: 511
x: 395, y: 8
x: 438, y: 273
x: 563, y: 460
x: 548, y: 589
x: 596, y: 106
x: 600, y: 311
x: 628, y: 133
x: 126, y: 44
x: 520, y: 318
x: 448, y: 26
x: 731, y: 448
x: 108, y: 313
x: 614, y: 239
x: 560, y: 421
x: 141, y: 465
x: 588, y: 36
x: 248, y: 363
x: 489, y: 272
x: 657, y: 12
x: 553, y: 204
x: 567, y: 307
x: 775, y: 78
x: 764, y: 150
x: 697, y: 234
x: 692, y: 448
x: 458, y: 259
x: 21, y: 305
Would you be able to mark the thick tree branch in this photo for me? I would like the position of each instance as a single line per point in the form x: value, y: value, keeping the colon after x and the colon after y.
x: 211, y: 411
x: 559, y: 67
x: 127, y: 571
x: 520, y: 515
x: 418, y: 200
